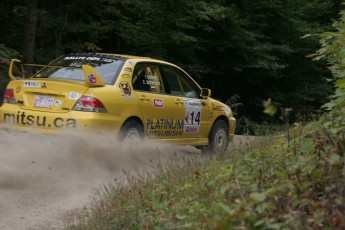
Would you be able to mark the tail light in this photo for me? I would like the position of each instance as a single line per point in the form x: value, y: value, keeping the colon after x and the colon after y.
x: 89, y: 104
x: 9, y: 96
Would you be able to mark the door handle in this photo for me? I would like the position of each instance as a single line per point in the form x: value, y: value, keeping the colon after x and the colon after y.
x: 143, y: 98
x: 179, y: 101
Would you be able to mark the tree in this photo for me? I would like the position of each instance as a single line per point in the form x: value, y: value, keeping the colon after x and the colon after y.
x: 248, y: 48
x: 30, y: 31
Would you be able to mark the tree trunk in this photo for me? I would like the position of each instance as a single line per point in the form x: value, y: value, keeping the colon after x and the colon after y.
x: 30, y: 31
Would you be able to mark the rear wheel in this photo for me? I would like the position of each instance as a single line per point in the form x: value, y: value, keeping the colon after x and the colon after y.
x: 218, y: 139
x: 132, y: 130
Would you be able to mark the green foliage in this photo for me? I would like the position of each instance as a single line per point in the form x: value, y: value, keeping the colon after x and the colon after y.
x: 332, y: 49
x: 5, y: 56
x: 333, y: 44
x: 234, y: 103
x: 270, y: 109
x: 291, y: 181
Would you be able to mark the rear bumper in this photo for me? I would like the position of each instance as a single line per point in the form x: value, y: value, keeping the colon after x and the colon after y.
x: 13, y: 118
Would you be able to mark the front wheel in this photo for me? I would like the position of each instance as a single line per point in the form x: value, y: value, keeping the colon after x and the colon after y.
x: 132, y: 130
x: 218, y: 139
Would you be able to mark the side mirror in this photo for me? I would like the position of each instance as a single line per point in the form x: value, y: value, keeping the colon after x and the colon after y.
x: 205, y: 92
x: 16, y: 70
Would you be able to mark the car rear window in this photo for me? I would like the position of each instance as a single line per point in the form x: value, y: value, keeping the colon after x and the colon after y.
x: 69, y: 67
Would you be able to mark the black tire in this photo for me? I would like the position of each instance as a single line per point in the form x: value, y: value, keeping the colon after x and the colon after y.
x: 132, y: 130
x: 218, y: 139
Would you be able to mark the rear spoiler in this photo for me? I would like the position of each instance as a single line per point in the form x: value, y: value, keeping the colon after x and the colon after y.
x: 16, y: 70
x: 92, y: 77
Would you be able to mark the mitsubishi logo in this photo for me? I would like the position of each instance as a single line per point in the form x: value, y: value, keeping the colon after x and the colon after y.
x: 44, y: 85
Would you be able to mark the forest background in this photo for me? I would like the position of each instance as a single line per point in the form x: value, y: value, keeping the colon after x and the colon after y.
x: 244, y: 51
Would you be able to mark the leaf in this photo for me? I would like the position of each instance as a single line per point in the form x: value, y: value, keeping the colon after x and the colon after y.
x: 226, y: 208
x: 334, y: 159
x: 260, y: 222
x: 270, y: 109
x: 258, y: 197
x: 307, y: 146
x: 340, y: 83
x: 224, y: 188
x: 307, y: 35
x: 180, y: 216
x: 339, y: 200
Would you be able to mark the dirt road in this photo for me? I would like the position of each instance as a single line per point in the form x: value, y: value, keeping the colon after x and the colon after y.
x: 41, y: 177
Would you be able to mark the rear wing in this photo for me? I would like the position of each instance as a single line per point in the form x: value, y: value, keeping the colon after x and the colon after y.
x: 91, y: 76
x: 16, y: 70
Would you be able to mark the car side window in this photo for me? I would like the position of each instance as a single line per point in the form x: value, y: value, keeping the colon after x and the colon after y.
x: 179, y: 83
x: 146, y: 77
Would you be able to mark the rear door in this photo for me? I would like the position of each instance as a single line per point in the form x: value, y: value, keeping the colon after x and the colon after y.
x: 155, y: 104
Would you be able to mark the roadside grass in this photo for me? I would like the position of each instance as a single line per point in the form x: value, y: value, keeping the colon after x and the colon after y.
x: 292, y: 180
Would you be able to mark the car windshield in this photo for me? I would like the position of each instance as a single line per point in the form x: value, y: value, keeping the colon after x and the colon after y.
x: 69, y: 67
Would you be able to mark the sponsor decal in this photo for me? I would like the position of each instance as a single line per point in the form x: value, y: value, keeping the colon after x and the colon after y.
x: 164, y: 124
x: 151, y: 77
x: 101, y: 59
x: 128, y: 69
x: 190, y: 129
x: 151, y: 80
x: 31, y: 84
x: 192, y: 103
x: 73, y: 95
x: 57, y: 103
x: 192, y: 118
x: 158, y: 103
x: 152, y: 83
x: 21, y: 118
x: 125, y: 88
x: 164, y: 127
x: 130, y: 62
x: 92, y: 79
x: 18, y: 89
x: 164, y: 133
x: 75, y: 58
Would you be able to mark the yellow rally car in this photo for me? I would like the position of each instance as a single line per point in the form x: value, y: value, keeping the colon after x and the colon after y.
x: 133, y: 97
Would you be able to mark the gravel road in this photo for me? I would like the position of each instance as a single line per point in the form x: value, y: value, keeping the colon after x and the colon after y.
x: 42, y: 177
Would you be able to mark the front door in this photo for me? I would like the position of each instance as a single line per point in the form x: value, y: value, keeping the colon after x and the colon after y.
x: 188, y: 107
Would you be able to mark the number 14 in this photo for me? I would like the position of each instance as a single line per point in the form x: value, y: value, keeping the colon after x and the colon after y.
x: 197, y: 118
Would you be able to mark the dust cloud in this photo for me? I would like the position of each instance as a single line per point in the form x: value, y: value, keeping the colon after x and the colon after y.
x: 43, y: 176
